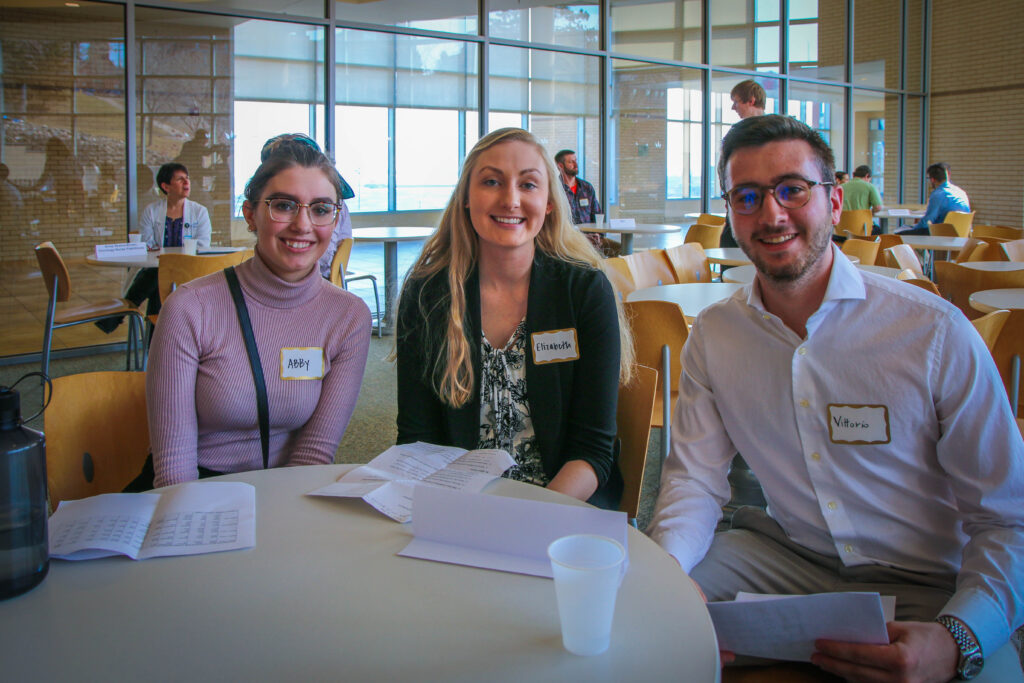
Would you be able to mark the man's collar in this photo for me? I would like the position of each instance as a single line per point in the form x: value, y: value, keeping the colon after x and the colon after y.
x: 844, y: 282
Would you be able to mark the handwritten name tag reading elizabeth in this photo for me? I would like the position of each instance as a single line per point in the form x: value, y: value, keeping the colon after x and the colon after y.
x: 858, y: 424
x: 302, y: 363
x: 556, y: 346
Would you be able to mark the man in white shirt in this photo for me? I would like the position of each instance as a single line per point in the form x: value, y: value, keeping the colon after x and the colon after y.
x: 874, y: 418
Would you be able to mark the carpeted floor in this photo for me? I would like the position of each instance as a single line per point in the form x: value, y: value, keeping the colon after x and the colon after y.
x: 371, y: 430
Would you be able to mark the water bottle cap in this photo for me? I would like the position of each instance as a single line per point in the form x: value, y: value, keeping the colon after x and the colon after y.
x: 10, y: 408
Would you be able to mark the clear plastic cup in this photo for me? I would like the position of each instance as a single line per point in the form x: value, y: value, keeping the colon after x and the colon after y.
x: 134, y: 237
x: 599, y: 219
x: 587, y: 570
x: 189, y: 245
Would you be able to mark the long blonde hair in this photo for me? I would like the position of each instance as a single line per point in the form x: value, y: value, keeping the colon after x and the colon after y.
x: 454, y: 246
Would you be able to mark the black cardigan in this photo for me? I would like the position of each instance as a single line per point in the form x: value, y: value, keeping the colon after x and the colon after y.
x: 572, y: 404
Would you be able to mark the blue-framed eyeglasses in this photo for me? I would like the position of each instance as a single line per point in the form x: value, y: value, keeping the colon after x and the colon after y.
x: 792, y: 193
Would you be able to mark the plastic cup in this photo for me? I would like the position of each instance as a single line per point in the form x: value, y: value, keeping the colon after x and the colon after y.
x: 587, y: 570
x: 134, y: 237
x: 189, y: 245
x: 599, y: 219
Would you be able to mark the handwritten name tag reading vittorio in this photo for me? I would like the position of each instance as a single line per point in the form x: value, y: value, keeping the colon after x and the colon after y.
x: 858, y: 424
x: 556, y: 346
x: 302, y: 363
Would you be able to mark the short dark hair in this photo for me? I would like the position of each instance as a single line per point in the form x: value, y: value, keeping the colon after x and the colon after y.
x: 760, y: 130
x: 840, y: 175
x: 167, y: 172
x: 283, y: 152
x: 862, y: 171
x: 939, y: 172
x: 563, y: 154
x: 748, y: 90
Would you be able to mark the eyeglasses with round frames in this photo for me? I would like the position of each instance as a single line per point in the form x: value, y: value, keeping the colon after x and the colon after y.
x: 792, y: 193
x: 286, y: 210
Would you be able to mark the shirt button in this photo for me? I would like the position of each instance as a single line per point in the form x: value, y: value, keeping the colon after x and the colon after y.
x: 766, y: 317
x: 832, y: 506
x: 815, y: 456
x: 802, y: 351
x: 848, y: 548
x: 804, y: 403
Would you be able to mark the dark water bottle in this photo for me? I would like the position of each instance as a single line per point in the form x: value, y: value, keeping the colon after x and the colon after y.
x: 24, y: 554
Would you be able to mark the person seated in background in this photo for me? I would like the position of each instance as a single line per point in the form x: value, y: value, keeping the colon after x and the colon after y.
x: 200, y: 392
x: 900, y: 473
x: 165, y: 223
x: 584, y: 205
x: 859, y: 193
x: 508, y: 333
x: 748, y: 98
x: 945, y: 197
x: 842, y: 177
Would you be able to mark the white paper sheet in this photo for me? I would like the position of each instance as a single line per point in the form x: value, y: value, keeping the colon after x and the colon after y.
x: 785, y: 627
x: 199, y: 517
x: 387, y: 481
x: 494, y: 532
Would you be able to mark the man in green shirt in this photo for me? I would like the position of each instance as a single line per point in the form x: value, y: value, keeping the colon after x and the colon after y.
x: 859, y: 193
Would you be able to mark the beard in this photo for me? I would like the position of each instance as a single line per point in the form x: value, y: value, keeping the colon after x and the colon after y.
x: 818, y: 240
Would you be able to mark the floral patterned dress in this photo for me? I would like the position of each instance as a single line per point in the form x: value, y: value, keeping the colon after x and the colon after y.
x: 504, y: 412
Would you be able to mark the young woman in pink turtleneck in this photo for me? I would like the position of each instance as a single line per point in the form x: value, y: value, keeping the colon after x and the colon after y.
x: 199, y: 388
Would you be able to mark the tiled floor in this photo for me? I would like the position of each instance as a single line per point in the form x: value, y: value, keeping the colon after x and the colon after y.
x: 23, y: 297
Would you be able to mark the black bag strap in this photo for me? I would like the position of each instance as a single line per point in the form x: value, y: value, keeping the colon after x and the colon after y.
x: 254, y: 362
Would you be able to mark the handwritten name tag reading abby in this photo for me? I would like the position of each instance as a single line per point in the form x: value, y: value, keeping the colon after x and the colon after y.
x: 302, y: 363
x: 858, y: 424
x: 556, y: 346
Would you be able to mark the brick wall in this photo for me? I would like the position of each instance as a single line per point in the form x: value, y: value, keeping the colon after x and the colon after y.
x: 977, y: 95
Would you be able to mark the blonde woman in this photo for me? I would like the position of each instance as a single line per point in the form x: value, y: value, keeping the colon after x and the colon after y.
x: 509, y: 335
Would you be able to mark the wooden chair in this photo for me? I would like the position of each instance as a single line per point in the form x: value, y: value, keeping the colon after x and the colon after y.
x: 633, y: 419
x: 902, y: 256
x: 957, y: 283
x: 857, y: 221
x: 177, y: 269
x: 650, y: 268
x: 961, y: 221
x: 618, y: 273
x: 58, y: 287
x: 341, y: 276
x: 711, y: 219
x: 861, y: 249
x: 980, y: 250
x: 97, y: 437
x: 708, y: 236
x: 989, y: 326
x: 884, y: 242
x: 998, y: 231
x: 911, y: 278
x: 1014, y: 250
x: 1007, y: 353
x: 659, y: 332
x: 944, y: 230
x: 689, y: 262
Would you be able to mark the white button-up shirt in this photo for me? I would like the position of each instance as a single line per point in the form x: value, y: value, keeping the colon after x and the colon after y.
x: 932, y: 481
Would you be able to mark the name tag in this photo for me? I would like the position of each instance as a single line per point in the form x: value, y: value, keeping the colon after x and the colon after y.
x: 857, y: 424
x: 302, y: 363
x: 556, y: 346
x: 584, y: 202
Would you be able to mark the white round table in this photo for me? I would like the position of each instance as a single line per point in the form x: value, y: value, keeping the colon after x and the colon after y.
x: 692, y: 297
x: 994, y: 266
x: 322, y: 596
x: 727, y: 256
x: 935, y: 242
x: 152, y: 259
x: 988, y: 300
x: 884, y: 271
x: 628, y: 232
x: 391, y: 236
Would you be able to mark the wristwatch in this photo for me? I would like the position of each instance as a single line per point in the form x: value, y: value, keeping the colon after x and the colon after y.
x: 971, y: 660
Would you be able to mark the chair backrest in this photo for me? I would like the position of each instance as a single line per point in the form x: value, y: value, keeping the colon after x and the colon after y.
x: 965, y: 253
x: 654, y: 324
x: 902, y: 256
x: 1010, y: 343
x: 944, y: 230
x: 884, y: 242
x: 857, y: 221
x: 689, y: 262
x: 53, y: 266
x: 619, y: 275
x: 633, y: 419
x: 708, y: 236
x: 911, y: 278
x: 650, y: 268
x: 339, y: 262
x: 957, y: 283
x: 97, y: 437
x: 997, y: 231
x: 961, y: 221
x: 861, y: 249
x: 177, y: 269
x: 989, y: 326
x: 986, y: 251
x: 1014, y: 250
x: 711, y: 219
